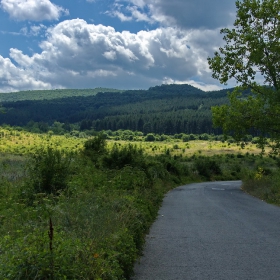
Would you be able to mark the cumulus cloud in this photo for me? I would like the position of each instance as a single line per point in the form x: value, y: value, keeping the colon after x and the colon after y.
x: 15, y: 78
x: 33, y: 10
x: 81, y: 55
x: 190, y: 14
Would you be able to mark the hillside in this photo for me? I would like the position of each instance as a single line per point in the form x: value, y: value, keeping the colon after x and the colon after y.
x: 50, y: 94
x: 162, y: 109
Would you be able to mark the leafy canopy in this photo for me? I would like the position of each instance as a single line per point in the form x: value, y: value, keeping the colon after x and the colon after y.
x: 251, y: 56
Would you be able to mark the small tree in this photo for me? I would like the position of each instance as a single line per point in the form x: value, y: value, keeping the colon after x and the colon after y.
x: 251, y: 53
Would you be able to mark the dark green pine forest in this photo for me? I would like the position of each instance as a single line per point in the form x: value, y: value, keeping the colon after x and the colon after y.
x: 165, y: 109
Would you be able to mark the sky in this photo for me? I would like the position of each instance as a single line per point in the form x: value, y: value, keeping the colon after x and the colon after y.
x: 122, y: 44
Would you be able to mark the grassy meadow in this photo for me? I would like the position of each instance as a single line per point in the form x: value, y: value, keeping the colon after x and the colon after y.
x: 21, y: 142
x: 75, y: 207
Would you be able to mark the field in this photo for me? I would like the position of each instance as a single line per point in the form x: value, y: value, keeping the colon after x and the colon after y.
x: 21, y: 142
x: 75, y: 207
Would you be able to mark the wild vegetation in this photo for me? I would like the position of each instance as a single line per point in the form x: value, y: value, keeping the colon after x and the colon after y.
x: 78, y: 208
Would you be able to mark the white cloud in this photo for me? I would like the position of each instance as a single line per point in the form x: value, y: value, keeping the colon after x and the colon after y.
x: 33, y: 30
x: 110, y: 55
x: 81, y: 55
x: 119, y: 15
x: 14, y: 78
x: 34, y: 10
x: 130, y: 10
x: 197, y: 84
x: 138, y: 15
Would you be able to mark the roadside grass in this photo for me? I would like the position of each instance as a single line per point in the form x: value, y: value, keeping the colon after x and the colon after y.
x: 263, y: 183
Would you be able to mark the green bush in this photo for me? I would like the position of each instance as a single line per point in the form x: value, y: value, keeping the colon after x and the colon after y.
x: 48, y: 170
x: 207, y: 167
x: 119, y: 157
x: 204, y: 136
x: 95, y: 147
x: 150, y: 137
x: 173, y: 166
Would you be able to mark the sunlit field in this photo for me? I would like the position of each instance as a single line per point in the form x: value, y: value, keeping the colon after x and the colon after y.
x: 21, y: 142
x: 207, y: 148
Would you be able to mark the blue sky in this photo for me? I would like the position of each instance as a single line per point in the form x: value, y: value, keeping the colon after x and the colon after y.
x: 125, y: 44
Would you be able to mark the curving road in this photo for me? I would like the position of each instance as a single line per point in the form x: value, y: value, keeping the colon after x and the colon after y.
x: 212, y: 231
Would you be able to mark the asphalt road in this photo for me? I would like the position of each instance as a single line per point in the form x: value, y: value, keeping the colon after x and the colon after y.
x: 212, y: 231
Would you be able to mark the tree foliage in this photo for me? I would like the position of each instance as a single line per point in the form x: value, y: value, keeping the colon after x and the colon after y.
x: 251, y: 56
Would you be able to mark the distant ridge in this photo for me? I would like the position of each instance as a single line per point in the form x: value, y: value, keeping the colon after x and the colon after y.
x: 174, y: 88
x: 51, y: 94
x: 163, y: 90
x: 67, y: 93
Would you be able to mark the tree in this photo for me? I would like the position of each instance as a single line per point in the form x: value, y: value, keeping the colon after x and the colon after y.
x: 251, y: 56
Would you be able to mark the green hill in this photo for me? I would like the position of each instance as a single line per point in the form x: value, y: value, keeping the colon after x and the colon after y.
x: 167, y: 109
x: 50, y: 94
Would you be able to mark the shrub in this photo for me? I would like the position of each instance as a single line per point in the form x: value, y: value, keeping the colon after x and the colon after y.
x: 173, y: 166
x: 192, y: 137
x: 48, y: 170
x: 95, y: 147
x: 207, y: 167
x: 150, y: 137
x: 186, y: 138
x: 203, y: 136
x: 119, y: 157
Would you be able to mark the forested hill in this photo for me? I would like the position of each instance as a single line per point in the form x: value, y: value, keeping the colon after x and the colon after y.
x: 162, y: 109
x: 51, y: 94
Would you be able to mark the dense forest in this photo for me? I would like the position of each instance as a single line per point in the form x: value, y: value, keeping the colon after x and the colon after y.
x: 165, y: 109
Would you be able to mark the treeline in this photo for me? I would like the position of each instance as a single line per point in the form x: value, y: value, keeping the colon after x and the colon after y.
x: 166, y: 109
